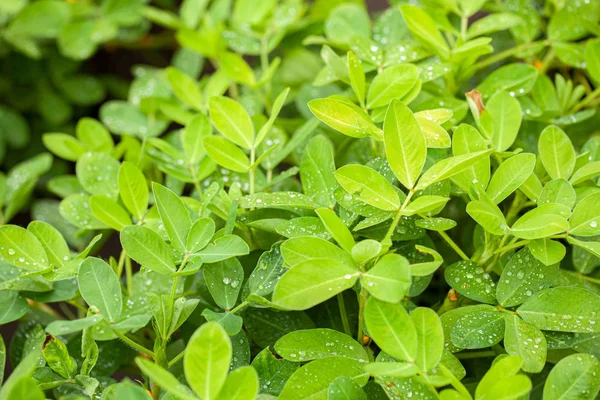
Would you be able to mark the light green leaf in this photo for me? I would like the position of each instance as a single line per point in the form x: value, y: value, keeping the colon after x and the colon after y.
x: 430, y: 338
x: 392, y: 329
x: 424, y: 204
x: 278, y: 199
x: 563, y: 309
x: 241, y: 384
x: 224, y: 281
x: 526, y: 341
x: 275, y: 109
x: 510, y: 175
x: 191, y: 137
x: 299, y: 249
x: 317, y: 171
x: 206, y: 360
x: 357, y: 78
x: 21, y: 248
x: 200, y: 234
x: 13, y: 306
x: 547, y: 251
x: 539, y: 223
x: 493, y: 23
x: 223, y: 248
x: 365, y: 251
x: 237, y: 68
x: 164, y: 379
x: 449, y: 167
x: 435, y: 136
x: 98, y: 174
x: 423, y: 28
x: 51, y: 240
x: 405, y: 146
x: 94, y: 136
x: 313, y: 344
x: 185, y: 88
x: 312, y: 380
x: 585, y: 220
x: 588, y: 171
x: 558, y: 191
x: 478, y: 330
x: 100, y: 288
x: 133, y: 189
x: 392, y: 369
x: 371, y: 186
x: 556, y: 152
x: 147, y: 248
x: 174, y: 215
x: 226, y: 154
x: 488, y: 215
x: 338, y: 229
x: 65, y: 327
x: 312, y: 282
x: 391, y: 84
x: 109, y: 212
x: 502, y: 369
x: 574, y: 377
x: 389, y: 279
x: 232, y: 120
x: 63, y: 145
x: 469, y: 279
x: 505, y: 112
x: 592, y: 247
x: 466, y: 139
x: 515, y: 79
x: 592, y: 58
x: 344, y: 117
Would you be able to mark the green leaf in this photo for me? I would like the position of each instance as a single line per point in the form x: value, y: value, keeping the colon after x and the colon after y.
x: 424, y: 204
x: 275, y: 371
x: 275, y: 109
x: 478, y: 330
x: 338, y: 229
x: 391, y: 84
x: 226, y: 154
x: 94, y: 136
x: 574, y: 377
x: 57, y: 358
x: 100, y: 288
x: 52, y: 241
x: 493, y: 23
x: 21, y: 248
x: 435, y: 136
x: 505, y: 112
x: 430, y: 338
x: 232, y: 120
x: 109, y: 212
x: 344, y: 388
x: 42, y: 19
x: 347, y: 21
x: 522, y: 276
x: 224, y: 281
x: 357, y: 78
x: 556, y: 152
x: 29, y: 362
x: 488, y: 215
x: 65, y: 327
x: 191, y: 137
x: 389, y: 279
x: 405, y: 146
x: 304, y: 248
x: 503, y: 368
x: 569, y: 22
x: 317, y: 169
x: 344, y: 117
x: 13, y: 307
x: 585, y: 219
x: 427, y: 267
x: 592, y: 247
x: 200, y: 234
x: 174, y: 215
x: 371, y: 186
x: 558, y: 191
x: 185, y: 88
x: 510, y: 175
x: 547, y: 251
x: 314, y: 344
x: 515, y: 79
x: 147, y: 248
x: 98, y: 174
x: 241, y: 384
x: 470, y: 280
x: 392, y: 369
x: 236, y: 67
x: 206, y: 360
x: 539, y: 223
x: 563, y: 309
x: 392, y: 329
x: 423, y: 28
x: 449, y: 167
x: 592, y: 59
x: 312, y: 380
x: 164, y: 379
x: 278, y: 199
x: 466, y: 139
x: 586, y: 172
x: 63, y: 145
x: 223, y: 248
x: 312, y: 282
x: 526, y: 341
x: 133, y: 189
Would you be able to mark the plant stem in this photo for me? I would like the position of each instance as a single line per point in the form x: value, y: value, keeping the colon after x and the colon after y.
x: 121, y: 263
x: 504, y: 249
x: 343, y: 314
x: 464, y: 22
x: 134, y: 344
x: 387, y: 240
x: 362, y: 299
x: 142, y: 150
x: 195, y: 180
x: 240, y: 307
x: 129, y: 275
x: 547, y: 61
x: 590, y: 279
x: 508, y: 53
x: 251, y: 172
x: 454, y: 246
x: 175, y: 359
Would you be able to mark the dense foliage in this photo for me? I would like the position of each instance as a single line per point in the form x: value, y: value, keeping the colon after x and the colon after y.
x: 308, y: 202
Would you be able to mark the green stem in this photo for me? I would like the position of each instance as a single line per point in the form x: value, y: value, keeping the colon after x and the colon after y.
x: 590, y: 279
x: 240, y: 307
x: 134, y: 344
x: 121, y: 263
x: 251, y: 172
x: 508, y: 53
x: 387, y: 240
x: 362, y: 299
x: 343, y: 314
x: 547, y: 61
x: 129, y: 275
x: 195, y: 180
x: 504, y: 249
x: 464, y: 22
x: 475, y: 354
x: 454, y: 246
x: 142, y: 150
x: 175, y: 359
x: 588, y: 99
